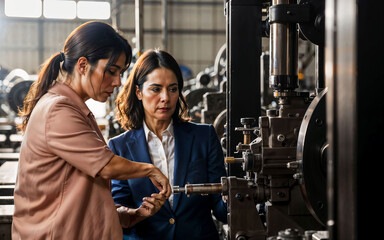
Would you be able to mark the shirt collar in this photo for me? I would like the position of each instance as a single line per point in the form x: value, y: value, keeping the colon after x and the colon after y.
x: 63, y: 89
x: 169, y: 129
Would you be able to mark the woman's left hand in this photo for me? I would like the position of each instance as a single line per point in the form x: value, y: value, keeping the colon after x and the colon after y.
x: 129, y: 217
x: 151, y: 205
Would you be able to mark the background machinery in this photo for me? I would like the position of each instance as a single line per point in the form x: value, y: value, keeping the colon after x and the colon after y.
x: 292, y: 166
x: 13, y: 89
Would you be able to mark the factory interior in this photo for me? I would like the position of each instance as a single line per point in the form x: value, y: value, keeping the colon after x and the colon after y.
x: 293, y: 89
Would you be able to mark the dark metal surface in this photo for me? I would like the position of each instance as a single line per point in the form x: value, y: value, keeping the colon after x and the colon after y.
x: 219, y: 123
x: 213, y: 103
x: 243, y: 69
x: 313, y: 29
x: 244, y: 220
x: 311, y: 155
x: 220, y: 63
x: 355, y: 114
x: 195, y: 96
x: 194, y: 100
x: 17, y: 94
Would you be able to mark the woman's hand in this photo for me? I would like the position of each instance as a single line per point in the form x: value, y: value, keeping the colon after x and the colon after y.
x: 151, y: 205
x: 121, y: 169
x: 124, y: 215
x: 160, y: 181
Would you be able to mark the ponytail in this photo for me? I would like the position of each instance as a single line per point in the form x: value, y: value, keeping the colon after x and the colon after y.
x: 93, y: 40
x: 49, y: 72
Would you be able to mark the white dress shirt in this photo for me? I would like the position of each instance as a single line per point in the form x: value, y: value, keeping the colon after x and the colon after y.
x: 162, y: 152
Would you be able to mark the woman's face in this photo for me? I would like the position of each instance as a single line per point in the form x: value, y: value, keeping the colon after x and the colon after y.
x: 102, y: 85
x: 159, y: 95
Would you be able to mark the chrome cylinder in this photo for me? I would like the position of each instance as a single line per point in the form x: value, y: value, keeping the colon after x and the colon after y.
x: 283, y: 62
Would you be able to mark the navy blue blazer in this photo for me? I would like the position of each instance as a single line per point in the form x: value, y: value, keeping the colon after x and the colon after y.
x: 198, y: 159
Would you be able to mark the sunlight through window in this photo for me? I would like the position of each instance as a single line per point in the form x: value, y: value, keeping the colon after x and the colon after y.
x: 59, y: 9
x: 93, y: 10
x: 23, y: 8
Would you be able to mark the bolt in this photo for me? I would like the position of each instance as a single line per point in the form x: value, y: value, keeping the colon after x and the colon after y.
x: 297, y: 176
x: 280, y: 137
x: 280, y: 194
x: 239, y: 196
x: 293, y: 165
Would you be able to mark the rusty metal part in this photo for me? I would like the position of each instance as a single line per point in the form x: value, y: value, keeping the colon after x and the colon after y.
x: 206, y: 188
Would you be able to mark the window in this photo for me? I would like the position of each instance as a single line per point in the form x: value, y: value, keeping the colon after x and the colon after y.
x: 93, y: 10
x: 58, y: 9
x: 23, y: 8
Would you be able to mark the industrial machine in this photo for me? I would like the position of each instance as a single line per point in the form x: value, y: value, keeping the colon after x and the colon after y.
x: 13, y: 89
x: 301, y: 170
x: 276, y: 183
x: 205, y: 94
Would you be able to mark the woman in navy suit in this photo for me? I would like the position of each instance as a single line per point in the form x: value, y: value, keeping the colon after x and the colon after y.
x: 153, y: 110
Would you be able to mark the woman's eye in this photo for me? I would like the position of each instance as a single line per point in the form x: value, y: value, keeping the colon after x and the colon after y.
x: 173, y: 89
x: 155, y: 89
x: 112, y: 72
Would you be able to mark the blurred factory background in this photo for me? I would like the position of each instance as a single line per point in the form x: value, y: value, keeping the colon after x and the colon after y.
x: 193, y: 31
x: 31, y: 31
x: 293, y: 89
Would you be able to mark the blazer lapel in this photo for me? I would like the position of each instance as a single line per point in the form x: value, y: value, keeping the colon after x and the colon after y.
x: 140, y: 153
x: 137, y: 145
x: 183, y: 145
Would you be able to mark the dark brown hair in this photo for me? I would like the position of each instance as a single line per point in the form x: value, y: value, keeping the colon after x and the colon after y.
x: 93, y: 40
x: 129, y: 109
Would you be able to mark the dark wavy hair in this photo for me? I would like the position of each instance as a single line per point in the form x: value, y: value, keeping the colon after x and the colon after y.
x: 93, y: 40
x: 129, y: 109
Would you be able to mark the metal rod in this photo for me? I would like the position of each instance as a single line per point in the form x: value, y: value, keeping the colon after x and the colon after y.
x: 206, y: 188
x: 319, y: 70
x: 115, y: 16
x: 139, y: 25
x: 164, y: 24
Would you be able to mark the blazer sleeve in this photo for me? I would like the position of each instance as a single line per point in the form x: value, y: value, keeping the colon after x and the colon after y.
x: 120, y: 190
x: 216, y: 170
